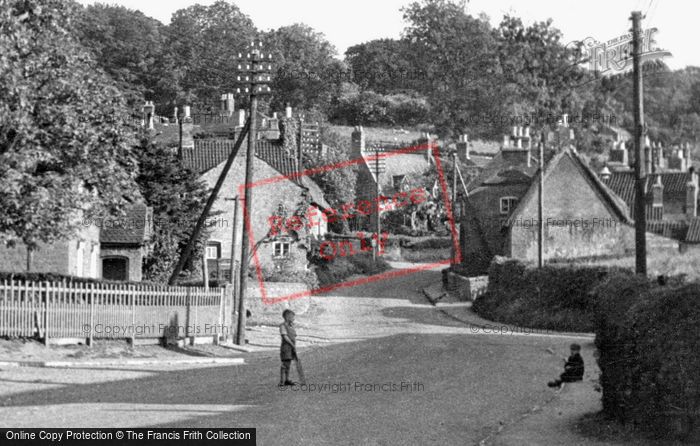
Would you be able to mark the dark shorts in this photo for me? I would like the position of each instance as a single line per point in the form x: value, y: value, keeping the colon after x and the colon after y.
x: 287, y: 352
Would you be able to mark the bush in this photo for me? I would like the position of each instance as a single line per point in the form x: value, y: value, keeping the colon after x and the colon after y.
x: 554, y: 297
x: 331, y: 273
x: 307, y: 277
x: 647, y: 340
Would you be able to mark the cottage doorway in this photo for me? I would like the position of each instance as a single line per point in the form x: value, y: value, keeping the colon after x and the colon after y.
x: 115, y: 268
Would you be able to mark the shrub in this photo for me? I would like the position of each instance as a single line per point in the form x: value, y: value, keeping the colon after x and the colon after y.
x: 554, y: 297
x: 307, y: 277
x: 647, y: 341
x: 341, y: 268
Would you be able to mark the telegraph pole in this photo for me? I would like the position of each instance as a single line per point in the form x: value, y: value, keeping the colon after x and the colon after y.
x: 640, y: 223
x: 254, y: 65
x: 540, y: 206
x: 377, y: 225
x: 454, y: 201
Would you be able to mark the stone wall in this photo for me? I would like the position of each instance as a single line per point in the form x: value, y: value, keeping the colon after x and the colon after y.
x: 263, y: 313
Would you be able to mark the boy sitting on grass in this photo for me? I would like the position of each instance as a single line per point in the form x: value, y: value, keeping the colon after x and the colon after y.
x: 573, y: 368
x: 288, y: 349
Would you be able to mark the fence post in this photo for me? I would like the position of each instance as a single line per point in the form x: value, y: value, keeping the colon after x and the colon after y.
x: 220, y: 325
x: 92, y: 313
x: 188, y: 311
x: 132, y: 293
x: 46, y: 313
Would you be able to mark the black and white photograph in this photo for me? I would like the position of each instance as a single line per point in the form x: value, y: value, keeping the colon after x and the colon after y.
x: 375, y: 223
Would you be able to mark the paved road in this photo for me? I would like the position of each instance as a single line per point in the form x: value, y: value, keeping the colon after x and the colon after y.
x: 451, y: 386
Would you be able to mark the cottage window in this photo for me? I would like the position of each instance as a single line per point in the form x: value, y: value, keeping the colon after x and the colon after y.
x: 508, y: 204
x: 396, y: 181
x: 281, y: 250
x: 213, y: 250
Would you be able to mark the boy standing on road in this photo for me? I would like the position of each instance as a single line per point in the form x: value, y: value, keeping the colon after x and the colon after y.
x: 573, y: 368
x: 288, y: 349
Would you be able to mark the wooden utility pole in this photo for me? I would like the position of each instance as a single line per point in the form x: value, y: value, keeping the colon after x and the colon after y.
x: 247, y: 200
x: 258, y: 70
x: 377, y: 225
x: 234, y: 236
x: 540, y: 206
x: 205, y: 268
x: 640, y: 224
x: 454, y: 202
x: 185, y: 254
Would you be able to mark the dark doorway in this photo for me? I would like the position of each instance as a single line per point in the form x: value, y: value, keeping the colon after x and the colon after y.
x: 115, y: 268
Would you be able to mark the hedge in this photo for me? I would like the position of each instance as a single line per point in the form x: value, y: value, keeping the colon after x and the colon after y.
x: 647, y: 335
x: 648, y: 342
x: 553, y: 297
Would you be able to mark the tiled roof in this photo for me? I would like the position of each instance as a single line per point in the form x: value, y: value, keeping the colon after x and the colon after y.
x: 132, y: 229
x: 616, y: 205
x: 209, y: 153
x: 676, y: 230
x: 274, y: 154
x: 622, y: 183
x: 693, y: 234
x: 497, y: 164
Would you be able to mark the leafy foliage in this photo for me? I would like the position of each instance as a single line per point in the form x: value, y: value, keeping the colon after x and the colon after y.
x: 65, y: 147
x: 131, y: 48
x: 306, y: 72
x: 177, y: 197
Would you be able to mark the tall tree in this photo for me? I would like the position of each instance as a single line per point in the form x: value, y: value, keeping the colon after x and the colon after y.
x: 65, y: 141
x: 205, y: 42
x: 177, y: 197
x: 131, y: 48
x: 456, y: 56
x: 306, y: 72
x: 384, y: 66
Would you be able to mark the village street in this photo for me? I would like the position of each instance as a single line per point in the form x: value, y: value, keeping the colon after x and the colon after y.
x: 460, y: 384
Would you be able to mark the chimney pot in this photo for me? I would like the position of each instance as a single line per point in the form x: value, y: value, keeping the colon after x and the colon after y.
x: 288, y: 111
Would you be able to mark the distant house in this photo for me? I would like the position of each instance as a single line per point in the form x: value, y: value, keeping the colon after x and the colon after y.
x: 582, y: 216
x: 125, y: 243
x: 395, y: 171
x: 277, y: 249
x: 77, y: 256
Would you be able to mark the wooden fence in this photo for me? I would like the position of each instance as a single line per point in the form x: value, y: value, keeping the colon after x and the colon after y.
x: 51, y: 310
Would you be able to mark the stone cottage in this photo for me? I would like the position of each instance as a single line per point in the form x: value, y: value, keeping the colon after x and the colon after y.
x: 582, y: 216
x: 394, y: 170
x: 125, y: 243
x: 277, y: 250
x: 77, y: 256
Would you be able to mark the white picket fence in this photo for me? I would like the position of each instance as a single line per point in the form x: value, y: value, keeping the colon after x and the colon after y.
x: 51, y: 310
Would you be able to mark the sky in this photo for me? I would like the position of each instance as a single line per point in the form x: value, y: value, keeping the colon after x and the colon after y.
x: 349, y: 22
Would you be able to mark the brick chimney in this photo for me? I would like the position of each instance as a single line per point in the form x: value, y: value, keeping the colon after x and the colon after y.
x: 175, y: 119
x: 647, y: 156
x: 516, y: 148
x: 657, y: 193
x: 691, y: 195
x: 658, y: 152
x: 148, y: 112
x: 357, y: 144
x: 227, y: 104
x: 463, y: 148
x: 240, y: 118
x: 686, y: 155
x: 287, y: 111
x: 619, y: 153
x: 186, y: 129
